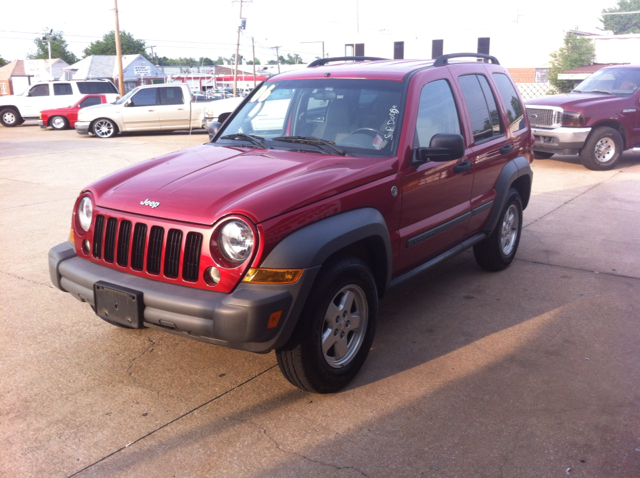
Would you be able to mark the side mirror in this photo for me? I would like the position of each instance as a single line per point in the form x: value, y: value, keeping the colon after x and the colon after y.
x: 213, y: 129
x: 128, y: 102
x: 223, y: 117
x: 442, y: 148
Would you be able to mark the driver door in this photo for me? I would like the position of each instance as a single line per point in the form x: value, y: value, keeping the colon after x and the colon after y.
x: 141, y: 111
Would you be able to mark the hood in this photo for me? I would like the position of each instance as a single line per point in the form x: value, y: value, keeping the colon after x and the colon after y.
x: 59, y: 111
x: 203, y: 183
x: 577, y: 101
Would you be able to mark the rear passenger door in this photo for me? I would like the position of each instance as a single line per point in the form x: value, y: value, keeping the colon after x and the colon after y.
x: 493, y: 145
x: 172, y: 110
x: 435, y: 195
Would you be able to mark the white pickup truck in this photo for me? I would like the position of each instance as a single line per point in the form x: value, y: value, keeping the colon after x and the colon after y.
x: 166, y: 106
x: 15, y: 109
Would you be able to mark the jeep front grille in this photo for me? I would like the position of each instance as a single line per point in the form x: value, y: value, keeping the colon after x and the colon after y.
x: 545, y: 117
x: 116, y: 242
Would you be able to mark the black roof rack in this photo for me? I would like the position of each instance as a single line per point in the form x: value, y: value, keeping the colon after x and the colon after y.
x: 444, y: 59
x: 324, y: 61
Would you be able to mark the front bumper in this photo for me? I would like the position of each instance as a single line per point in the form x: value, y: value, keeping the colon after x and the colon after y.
x: 561, y: 140
x: 41, y: 123
x: 238, y: 320
x: 82, y: 127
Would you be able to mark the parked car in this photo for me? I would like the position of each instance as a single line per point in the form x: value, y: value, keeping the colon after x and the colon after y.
x: 213, y: 110
x: 15, y: 109
x: 150, y: 107
x: 63, y: 118
x: 285, y: 231
x: 598, y: 120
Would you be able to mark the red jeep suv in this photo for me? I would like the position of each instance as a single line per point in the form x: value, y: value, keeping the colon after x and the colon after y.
x: 323, y: 189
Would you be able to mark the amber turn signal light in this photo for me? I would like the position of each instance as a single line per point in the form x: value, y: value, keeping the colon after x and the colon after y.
x: 272, y: 276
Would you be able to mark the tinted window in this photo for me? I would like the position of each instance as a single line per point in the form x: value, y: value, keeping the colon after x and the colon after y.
x: 39, y: 90
x: 171, y: 96
x: 90, y: 101
x: 481, y: 104
x: 511, y: 102
x: 62, y: 89
x: 437, y: 112
x: 144, y: 97
x: 96, y: 87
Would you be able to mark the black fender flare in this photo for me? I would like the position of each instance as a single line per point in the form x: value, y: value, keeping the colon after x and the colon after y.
x: 512, y: 171
x: 312, y: 245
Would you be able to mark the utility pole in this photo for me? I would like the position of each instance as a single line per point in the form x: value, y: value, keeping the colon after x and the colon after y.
x: 153, y: 57
x: 277, y: 55
x: 253, y: 48
x: 118, y: 50
x: 240, y: 28
x: 48, y: 38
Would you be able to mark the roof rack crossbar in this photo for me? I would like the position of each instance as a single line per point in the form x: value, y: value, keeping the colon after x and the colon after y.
x: 444, y: 59
x: 324, y: 61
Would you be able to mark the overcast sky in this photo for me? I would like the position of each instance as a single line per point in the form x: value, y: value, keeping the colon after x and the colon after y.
x: 208, y: 28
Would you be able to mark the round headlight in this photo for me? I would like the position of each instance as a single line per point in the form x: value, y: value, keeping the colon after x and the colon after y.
x: 235, y: 241
x: 85, y: 213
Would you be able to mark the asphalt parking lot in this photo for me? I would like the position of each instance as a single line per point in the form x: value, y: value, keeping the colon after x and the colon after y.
x: 529, y: 372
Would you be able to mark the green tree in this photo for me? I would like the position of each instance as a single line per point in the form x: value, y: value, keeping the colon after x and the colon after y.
x: 205, y: 61
x: 107, y: 46
x: 59, y: 48
x: 250, y: 62
x: 291, y: 59
x: 625, y: 23
x: 3, y: 61
x: 576, y: 51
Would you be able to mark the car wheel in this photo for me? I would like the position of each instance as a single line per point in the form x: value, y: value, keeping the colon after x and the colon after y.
x: 498, y: 250
x: 10, y: 118
x: 104, y: 128
x: 335, y: 330
x: 602, y: 149
x: 541, y: 155
x: 59, y: 122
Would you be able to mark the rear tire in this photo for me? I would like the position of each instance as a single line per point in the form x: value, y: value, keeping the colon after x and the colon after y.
x: 498, y: 250
x: 59, y: 122
x: 602, y: 149
x: 104, y: 128
x: 334, y: 331
x: 9, y: 117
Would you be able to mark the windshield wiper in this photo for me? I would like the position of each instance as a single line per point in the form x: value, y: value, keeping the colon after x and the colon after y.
x: 312, y: 140
x: 253, y: 139
x: 599, y: 91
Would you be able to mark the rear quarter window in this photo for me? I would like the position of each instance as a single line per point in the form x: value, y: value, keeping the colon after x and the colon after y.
x: 96, y: 87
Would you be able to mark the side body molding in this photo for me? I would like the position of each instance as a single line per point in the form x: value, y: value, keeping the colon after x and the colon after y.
x: 312, y: 245
x: 511, y: 172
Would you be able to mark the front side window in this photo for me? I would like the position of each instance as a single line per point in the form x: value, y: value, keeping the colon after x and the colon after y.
x: 171, y: 96
x: 515, y: 111
x: 145, y: 97
x: 90, y: 101
x: 39, y: 90
x: 357, y: 116
x: 481, y: 105
x: 62, y: 89
x: 437, y: 112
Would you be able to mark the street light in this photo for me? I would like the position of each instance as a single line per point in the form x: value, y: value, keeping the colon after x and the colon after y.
x: 48, y: 38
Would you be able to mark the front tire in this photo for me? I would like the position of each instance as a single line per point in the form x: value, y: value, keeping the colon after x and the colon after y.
x: 104, y: 128
x: 9, y: 117
x: 335, y: 330
x: 497, y: 251
x: 602, y: 149
x: 59, y: 122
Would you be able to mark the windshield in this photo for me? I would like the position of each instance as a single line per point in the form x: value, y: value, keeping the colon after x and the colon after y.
x: 614, y: 81
x: 127, y: 96
x: 335, y: 116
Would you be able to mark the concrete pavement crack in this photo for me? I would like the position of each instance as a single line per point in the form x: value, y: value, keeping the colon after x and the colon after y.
x: 180, y: 417
x: 146, y: 351
x: 304, y: 457
x: 508, y: 454
x: 27, y: 280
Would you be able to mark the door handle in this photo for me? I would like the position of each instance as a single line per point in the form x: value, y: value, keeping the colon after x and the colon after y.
x: 506, y: 149
x: 462, y: 167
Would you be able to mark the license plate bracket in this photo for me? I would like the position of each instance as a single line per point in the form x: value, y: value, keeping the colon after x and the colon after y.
x: 118, y: 304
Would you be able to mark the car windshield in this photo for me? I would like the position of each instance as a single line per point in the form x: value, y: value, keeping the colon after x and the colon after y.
x: 332, y: 116
x: 126, y: 97
x: 613, y: 81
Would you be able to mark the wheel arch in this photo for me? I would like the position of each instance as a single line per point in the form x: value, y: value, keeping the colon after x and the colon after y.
x: 516, y: 173
x: 360, y: 232
x: 617, y: 125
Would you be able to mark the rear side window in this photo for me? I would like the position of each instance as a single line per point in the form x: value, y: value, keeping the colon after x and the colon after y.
x: 96, y: 87
x: 144, y: 97
x: 437, y: 112
x: 481, y: 104
x: 511, y: 102
x: 62, y: 89
x: 90, y: 101
x: 171, y: 96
